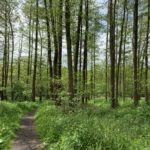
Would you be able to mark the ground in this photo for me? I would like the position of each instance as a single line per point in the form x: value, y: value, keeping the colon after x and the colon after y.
x: 26, y: 138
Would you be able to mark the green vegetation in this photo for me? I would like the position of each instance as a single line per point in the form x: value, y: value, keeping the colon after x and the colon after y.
x: 10, y: 115
x: 94, y: 128
x: 90, y: 59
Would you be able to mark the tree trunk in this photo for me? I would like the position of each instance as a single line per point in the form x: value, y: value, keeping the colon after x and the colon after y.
x: 84, y: 96
x: 112, y: 52
x: 135, y: 47
x: 76, y: 55
x: 49, y: 46
x: 120, y: 49
x: 146, y: 55
x: 35, y: 57
x: 12, y: 60
x: 69, y: 52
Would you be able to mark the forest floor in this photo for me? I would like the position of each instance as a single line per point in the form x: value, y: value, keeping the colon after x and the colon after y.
x: 26, y: 138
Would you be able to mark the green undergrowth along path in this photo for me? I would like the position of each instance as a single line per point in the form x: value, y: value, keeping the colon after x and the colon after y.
x: 10, y: 116
x: 94, y: 128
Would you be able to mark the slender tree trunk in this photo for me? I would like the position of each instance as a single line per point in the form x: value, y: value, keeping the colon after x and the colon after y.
x: 49, y: 46
x: 53, y: 24
x: 135, y: 46
x: 56, y: 52
x: 19, y: 59
x: 35, y: 57
x: 94, y: 76
x: 120, y: 49
x: 69, y: 52
x: 4, y: 70
x: 60, y: 29
x: 146, y: 55
x: 112, y: 52
x: 80, y: 64
x: 76, y: 55
x: 84, y: 97
x: 29, y: 52
x: 124, y: 58
x: 106, y: 60
x: 12, y: 60
x: 41, y: 65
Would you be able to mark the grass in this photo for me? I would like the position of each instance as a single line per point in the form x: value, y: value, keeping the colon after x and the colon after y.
x: 95, y: 127
x: 10, y: 115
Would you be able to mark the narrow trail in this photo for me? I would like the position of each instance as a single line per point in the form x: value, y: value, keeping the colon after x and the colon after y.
x: 26, y: 138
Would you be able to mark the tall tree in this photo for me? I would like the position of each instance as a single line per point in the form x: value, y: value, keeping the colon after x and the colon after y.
x: 49, y: 44
x: 84, y: 97
x: 69, y: 52
x: 120, y: 48
x: 135, y: 47
x: 12, y: 58
x: 19, y: 58
x: 146, y: 55
x: 36, y: 50
x: 60, y: 30
x: 112, y: 51
x: 29, y: 52
x: 76, y: 55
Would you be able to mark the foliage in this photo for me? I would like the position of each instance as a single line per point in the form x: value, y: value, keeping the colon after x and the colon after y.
x: 94, y: 128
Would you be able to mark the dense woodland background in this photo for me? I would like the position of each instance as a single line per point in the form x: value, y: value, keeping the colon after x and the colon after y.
x: 74, y: 51
x: 69, y: 61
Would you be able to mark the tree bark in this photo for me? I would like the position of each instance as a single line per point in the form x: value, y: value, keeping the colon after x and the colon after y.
x: 135, y: 47
x: 146, y: 55
x: 112, y: 52
x: 35, y: 57
x: 76, y: 55
x: 69, y: 52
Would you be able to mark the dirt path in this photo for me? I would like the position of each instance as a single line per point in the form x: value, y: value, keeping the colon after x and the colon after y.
x: 26, y: 138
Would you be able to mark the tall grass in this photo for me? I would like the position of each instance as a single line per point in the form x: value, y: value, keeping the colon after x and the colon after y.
x: 10, y: 115
x: 94, y: 128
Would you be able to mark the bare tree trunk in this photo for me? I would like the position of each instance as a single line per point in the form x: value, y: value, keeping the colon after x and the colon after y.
x: 120, y: 49
x: 84, y: 97
x: 49, y: 46
x: 41, y: 64
x: 69, y: 52
x: 112, y: 52
x: 4, y: 69
x: 60, y: 38
x: 53, y: 24
x: 106, y: 60
x: 76, y: 55
x: 146, y: 55
x: 19, y: 58
x: 124, y: 58
x: 12, y: 60
x: 35, y: 57
x: 80, y: 64
x: 29, y: 53
x: 135, y: 46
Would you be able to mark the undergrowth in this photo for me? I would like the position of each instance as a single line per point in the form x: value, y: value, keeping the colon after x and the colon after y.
x: 10, y: 115
x: 94, y: 128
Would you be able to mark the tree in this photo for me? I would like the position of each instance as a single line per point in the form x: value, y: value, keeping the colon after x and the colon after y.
x: 112, y: 51
x: 76, y: 55
x: 135, y: 46
x: 35, y: 57
x: 120, y: 48
x: 146, y: 55
x: 84, y: 97
x: 69, y: 52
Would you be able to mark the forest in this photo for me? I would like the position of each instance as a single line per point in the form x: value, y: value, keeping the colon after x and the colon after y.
x: 74, y: 75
